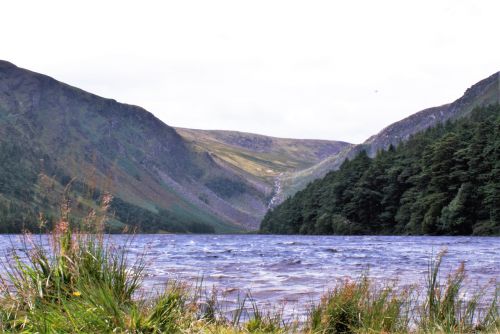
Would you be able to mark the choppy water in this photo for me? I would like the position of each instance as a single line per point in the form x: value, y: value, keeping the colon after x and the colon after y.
x: 298, y: 269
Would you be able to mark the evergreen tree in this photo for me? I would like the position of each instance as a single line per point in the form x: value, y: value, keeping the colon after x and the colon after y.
x: 445, y: 180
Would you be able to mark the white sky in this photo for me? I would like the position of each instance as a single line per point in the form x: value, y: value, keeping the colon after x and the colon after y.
x: 304, y: 69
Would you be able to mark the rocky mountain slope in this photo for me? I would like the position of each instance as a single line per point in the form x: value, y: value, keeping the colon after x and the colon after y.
x: 483, y: 93
x: 52, y: 134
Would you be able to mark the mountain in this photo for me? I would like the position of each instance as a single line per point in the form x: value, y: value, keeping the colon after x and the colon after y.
x: 262, y: 160
x: 53, y: 134
x: 162, y: 178
x: 483, y: 93
x: 442, y: 181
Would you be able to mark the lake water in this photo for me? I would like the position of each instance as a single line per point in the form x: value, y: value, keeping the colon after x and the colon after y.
x: 298, y: 269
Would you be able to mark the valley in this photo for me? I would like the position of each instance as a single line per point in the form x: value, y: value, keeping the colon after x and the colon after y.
x: 163, y: 179
x: 183, y: 180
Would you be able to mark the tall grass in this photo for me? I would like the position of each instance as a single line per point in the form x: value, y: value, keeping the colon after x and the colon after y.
x: 69, y: 281
x: 358, y: 307
x: 362, y: 307
x: 446, y: 308
x: 77, y: 281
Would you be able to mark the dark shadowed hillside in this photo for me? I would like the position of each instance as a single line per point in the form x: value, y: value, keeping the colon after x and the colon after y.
x: 57, y: 132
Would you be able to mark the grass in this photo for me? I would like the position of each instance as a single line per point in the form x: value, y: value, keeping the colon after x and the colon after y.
x: 79, y: 282
x: 360, y: 307
x: 280, y: 154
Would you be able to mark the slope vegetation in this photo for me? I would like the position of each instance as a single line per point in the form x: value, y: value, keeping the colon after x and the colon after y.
x: 445, y: 180
x: 53, y: 135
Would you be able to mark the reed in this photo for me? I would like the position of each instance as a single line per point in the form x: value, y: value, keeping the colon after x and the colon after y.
x: 446, y: 310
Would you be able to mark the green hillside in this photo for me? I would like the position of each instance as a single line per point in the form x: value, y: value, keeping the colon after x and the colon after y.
x: 262, y: 160
x: 443, y: 181
x: 51, y: 133
x: 262, y: 156
x: 162, y: 179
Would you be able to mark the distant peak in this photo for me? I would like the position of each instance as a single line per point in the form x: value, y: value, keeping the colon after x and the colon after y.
x: 6, y: 64
x: 494, y: 78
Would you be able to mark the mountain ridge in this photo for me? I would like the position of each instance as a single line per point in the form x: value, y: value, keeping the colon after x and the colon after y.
x: 482, y: 93
x: 147, y: 163
x: 84, y: 131
x: 220, y: 178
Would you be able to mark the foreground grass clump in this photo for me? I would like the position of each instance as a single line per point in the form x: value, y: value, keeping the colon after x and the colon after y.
x: 76, y: 281
x: 354, y: 307
x: 447, y: 311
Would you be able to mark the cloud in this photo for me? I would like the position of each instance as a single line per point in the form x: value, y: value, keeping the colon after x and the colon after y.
x: 284, y: 68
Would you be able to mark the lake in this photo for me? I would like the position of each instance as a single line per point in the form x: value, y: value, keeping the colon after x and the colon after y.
x: 297, y: 269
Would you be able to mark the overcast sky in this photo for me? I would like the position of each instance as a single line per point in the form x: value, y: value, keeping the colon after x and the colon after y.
x: 303, y: 69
